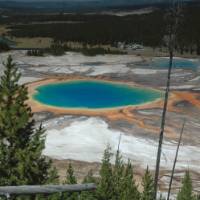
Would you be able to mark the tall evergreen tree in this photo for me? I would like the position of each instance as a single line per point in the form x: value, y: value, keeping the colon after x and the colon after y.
x: 53, y: 179
x: 148, y: 186
x: 118, y: 172
x: 89, y: 195
x: 70, y: 179
x: 21, y: 145
x: 90, y: 178
x: 186, y: 190
x: 129, y: 190
x: 117, y: 182
x: 105, y: 186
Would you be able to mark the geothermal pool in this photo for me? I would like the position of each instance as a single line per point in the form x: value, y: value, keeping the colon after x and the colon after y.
x: 91, y: 94
x: 177, y: 63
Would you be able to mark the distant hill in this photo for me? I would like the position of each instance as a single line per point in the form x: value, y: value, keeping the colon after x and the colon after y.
x: 82, y: 5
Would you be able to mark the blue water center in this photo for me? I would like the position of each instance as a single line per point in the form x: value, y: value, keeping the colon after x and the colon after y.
x: 177, y: 63
x: 93, y: 94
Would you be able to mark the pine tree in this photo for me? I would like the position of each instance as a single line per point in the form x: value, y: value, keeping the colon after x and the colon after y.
x: 129, y: 189
x: 89, y: 195
x: 53, y: 179
x: 186, y: 190
x: 90, y: 178
x: 21, y: 145
x: 148, y: 186
x: 117, y: 182
x: 118, y: 172
x: 105, y: 186
x: 70, y: 179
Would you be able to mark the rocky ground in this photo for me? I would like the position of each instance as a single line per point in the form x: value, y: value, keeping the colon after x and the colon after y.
x: 83, y: 138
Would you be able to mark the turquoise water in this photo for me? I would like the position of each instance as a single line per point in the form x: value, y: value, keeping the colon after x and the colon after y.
x: 93, y: 95
x: 177, y: 63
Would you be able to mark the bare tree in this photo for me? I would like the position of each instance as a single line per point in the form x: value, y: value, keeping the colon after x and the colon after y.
x: 175, y: 160
x: 173, y: 21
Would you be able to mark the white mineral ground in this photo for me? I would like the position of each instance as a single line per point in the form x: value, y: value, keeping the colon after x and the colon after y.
x: 85, y: 138
x: 78, y: 63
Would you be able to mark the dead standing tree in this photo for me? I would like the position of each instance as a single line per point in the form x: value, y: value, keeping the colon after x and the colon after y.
x: 172, y: 18
x: 175, y: 160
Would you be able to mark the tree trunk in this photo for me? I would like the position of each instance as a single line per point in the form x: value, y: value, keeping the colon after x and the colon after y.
x: 175, y: 160
x: 163, y: 124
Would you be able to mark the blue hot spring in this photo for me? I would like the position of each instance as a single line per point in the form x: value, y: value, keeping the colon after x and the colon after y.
x: 93, y: 94
x: 177, y: 63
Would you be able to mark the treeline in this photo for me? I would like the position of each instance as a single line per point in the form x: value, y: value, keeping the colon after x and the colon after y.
x: 93, y: 51
x: 117, y: 182
x: 59, y: 49
x: 147, y: 29
x: 188, y: 34
x: 36, y: 52
x: 22, y: 162
x: 4, y: 47
x: 28, y: 18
